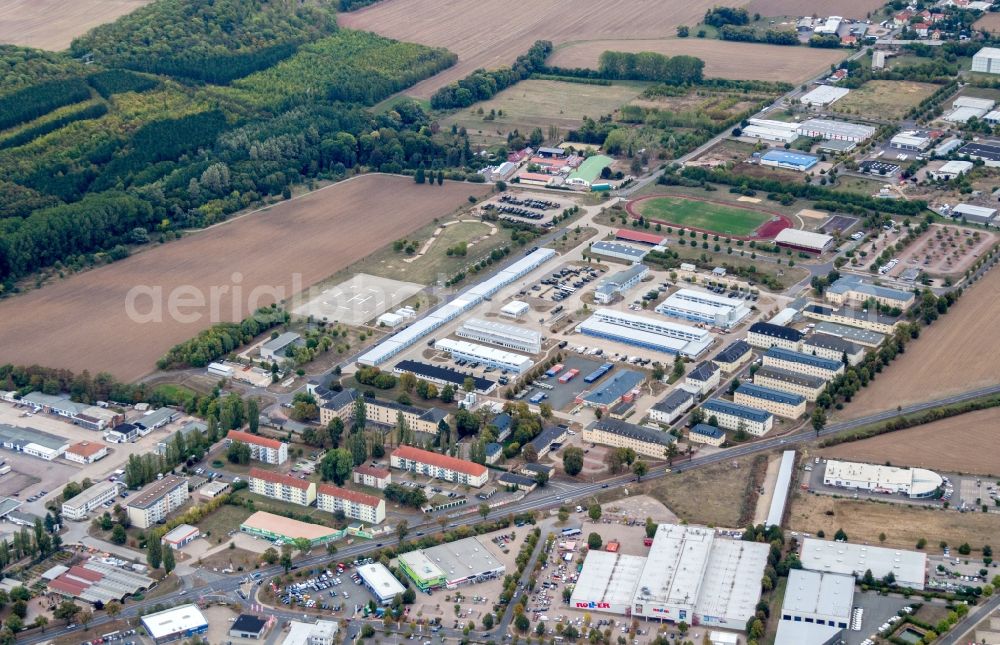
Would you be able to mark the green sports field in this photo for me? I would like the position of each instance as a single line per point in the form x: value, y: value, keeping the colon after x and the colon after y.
x: 690, y: 213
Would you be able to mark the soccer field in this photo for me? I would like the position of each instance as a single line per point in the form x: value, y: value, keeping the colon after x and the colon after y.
x: 691, y: 213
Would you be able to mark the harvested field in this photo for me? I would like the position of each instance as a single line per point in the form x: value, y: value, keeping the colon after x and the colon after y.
x: 948, y: 357
x: 857, y: 9
x: 959, y: 444
x: 889, y: 99
x: 541, y: 104
x: 52, y: 24
x: 723, y: 59
x: 990, y: 22
x: 258, y: 258
x: 489, y: 35
x: 903, y: 525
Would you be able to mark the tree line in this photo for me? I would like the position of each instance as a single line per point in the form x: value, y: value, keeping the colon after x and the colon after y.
x: 21, y: 137
x: 481, y: 84
x: 221, y: 339
x: 651, y: 66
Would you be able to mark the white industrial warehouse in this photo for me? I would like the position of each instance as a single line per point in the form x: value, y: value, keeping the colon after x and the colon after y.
x: 498, y: 358
x: 650, y: 333
x: 462, y: 303
x: 914, y: 482
x: 494, y: 333
x: 908, y: 567
x: 691, y: 575
x: 705, y: 307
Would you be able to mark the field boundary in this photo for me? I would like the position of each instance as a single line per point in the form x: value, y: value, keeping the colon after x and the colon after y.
x: 766, y: 231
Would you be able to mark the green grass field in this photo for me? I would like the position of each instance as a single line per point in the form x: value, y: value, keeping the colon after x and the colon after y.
x: 703, y: 215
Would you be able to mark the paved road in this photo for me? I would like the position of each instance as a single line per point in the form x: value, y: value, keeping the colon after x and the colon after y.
x: 547, y: 499
x: 957, y: 635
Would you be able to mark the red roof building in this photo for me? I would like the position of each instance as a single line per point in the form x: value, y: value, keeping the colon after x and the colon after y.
x: 349, y: 495
x: 86, y: 452
x: 270, y: 451
x: 278, y: 478
x: 372, y: 476
x: 440, y: 466
x: 256, y: 439
x: 639, y: 236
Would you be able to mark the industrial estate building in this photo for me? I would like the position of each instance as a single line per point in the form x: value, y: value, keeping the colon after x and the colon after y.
x: 788, y: 160
x: 908, y: 567
x: 976, y: 214
x: 836, y: 130
x: 621, y: 386
x: 803, y: 363
x: 465, y: 301
x: 284, y: 487
x: 782, y: 489
x: 465, y: 561
x: 777, y: 402
x: 733, y: 416
x: 439, y: 466
x: 322, y: 632
x: 32, y: 442
x: 765, y: 335
x: 86, y: 452
x: 269, y: 451
x: 691, y: 575
x: 620, y: 434
x: 609, y: 288
x: 180, y: 536
x: 355, y: 505
x: 912, y: 482
x: 650, y: 333
x: 175, y: 624
x: 95, y: 581
x: 770, y: 130
x: 279, y: 528
x: 793, y: 238
x: 804, y: 385
x: 816, y: 608
x: 619, y: 251
x: 986, y: 60
x: 441, y: 375
x: 823, y: 95
x: 494, y: 333
x: 380, y: 582
x: 705, y: 307
x: 275, y: 349
x: 460, y: 349
x: 157, y: 501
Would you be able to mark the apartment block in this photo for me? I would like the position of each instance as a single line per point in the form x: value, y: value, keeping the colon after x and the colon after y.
x: 283, y: 487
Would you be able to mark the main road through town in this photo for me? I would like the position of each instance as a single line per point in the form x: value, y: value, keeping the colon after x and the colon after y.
x: 543, y: 499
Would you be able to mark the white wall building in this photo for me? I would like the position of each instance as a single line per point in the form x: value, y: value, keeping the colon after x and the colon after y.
x: 986, y: 60
x: 769, y: 130
x: 355, y: 505
x: 836, y: 130
x: 912, y: 482
x: 269, y: 451
x: 460, y: 349
x: 823, y: 95
x: 78, y: 507
x: 705, y: 307
x: 494, y: 333
x: 157, y: 501
x: 819, y: 598
x: 644, y: 331
x: 908, y: 567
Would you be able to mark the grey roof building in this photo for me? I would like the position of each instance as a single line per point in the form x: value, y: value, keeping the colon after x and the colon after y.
x: 857, y: 335
x: 674, y: 401
x: 805, y: 359
x: 832, y: 343
x: 733, y: 351
x: 703, y: 371
x: 632, y: 431
x: 770, y: 394
x: 735, y: 409
x: 788, y: 376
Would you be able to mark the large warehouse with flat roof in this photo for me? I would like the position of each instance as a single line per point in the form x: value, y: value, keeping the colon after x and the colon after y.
x: 650, y: 333
x: 794, y: 238
x: 174, y: 624
x: 607, y: 582
x: 691, y: 575
x: 704, y: 306
x: 510, y: 336
x: 913, y: 482
x: 498, y: 358
x: 277, y: 527
x: 451, y: 564
x: 908, y: 567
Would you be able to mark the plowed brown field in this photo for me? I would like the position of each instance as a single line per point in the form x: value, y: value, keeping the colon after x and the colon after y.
x: 52, y: 24
x: 959, y: 444
x: 723, y: 59
x: 82, y: 322
x: 491, y: 34
x: 857, y: 9
x: 955, y: 354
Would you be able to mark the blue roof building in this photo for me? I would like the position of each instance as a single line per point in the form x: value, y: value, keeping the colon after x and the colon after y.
x: 735, y: 416
x: 770, y: 394
x: 790, y: 160
x: 704, y: 433
x: 815, y: 362
x: 612, y: 390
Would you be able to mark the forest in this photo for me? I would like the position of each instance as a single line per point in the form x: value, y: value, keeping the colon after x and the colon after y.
x: 177, y: 123
x: 214, y: 42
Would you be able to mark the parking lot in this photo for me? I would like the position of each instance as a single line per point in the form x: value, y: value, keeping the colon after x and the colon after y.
x: 564, y: 281
x: 562, y: 395
x: 875, y: 611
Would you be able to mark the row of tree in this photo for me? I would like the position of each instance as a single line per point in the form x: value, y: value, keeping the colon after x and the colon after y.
x: 481, y: 84
x: 651, y: 66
